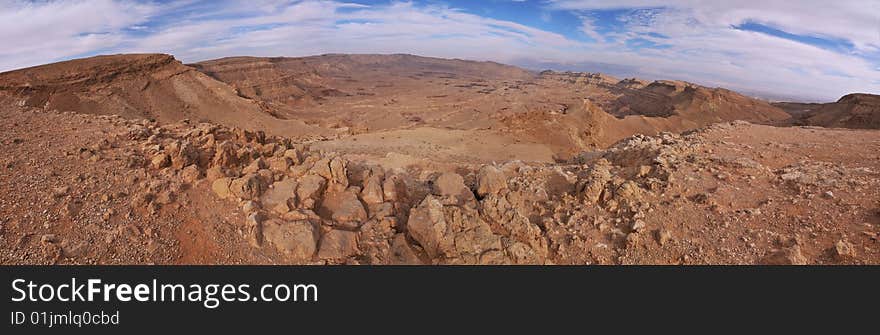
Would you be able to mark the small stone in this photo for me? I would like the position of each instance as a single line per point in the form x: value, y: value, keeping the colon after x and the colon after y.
x: 644, y: 171
x: 829, y: 195
x: 249, y: 206
x: 843, y: 250
x: 639, y: 226
x: 221, y: 187
x: 786, y: 256
x: 663, y: 236
x: 190, y: 174
x: 74, y: 249
x: 160, y: 161
x: 49, y: 238
x: 59, y: 192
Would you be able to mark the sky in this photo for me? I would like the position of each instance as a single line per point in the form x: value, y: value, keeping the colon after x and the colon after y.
x: 809, y: 50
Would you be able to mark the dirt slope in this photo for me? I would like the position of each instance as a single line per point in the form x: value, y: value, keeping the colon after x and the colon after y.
x: 409, y: 98
x: 153, y: 86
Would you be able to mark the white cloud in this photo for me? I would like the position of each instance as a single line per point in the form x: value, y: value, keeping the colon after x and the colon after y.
x: 35, y: 33
x: 702, y: 45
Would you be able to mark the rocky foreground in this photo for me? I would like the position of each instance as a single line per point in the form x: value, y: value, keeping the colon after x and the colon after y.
x: 86, y: 189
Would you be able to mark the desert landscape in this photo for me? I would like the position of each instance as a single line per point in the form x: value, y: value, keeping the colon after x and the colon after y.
x: 401, y: 159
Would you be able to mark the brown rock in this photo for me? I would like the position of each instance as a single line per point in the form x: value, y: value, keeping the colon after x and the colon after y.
x: 787, y: 256
x: 339, y: 172
x: 599, y: 175
x: 226, y: 156
x: 490, y: 180
x: 160, y: 161
x: 249, y: 206
x: 322, y: 168
x: 213, y: 173
x: 344, y: 207
x: 282, y: 192
x: 221, y: 187
x: 279, y: 164
x: 295, y: 239
x: 450, y: 186
x: 59, y: 192
x: 49, y: 238
x: 402, y: 253
x: 250, y: 186
x: 338, y: 244
x: 281, y: 208
x: 256, y: 165
x: 183, y: 154
x: 190, y: 174
x: 310, y: 187
x: 372, y: 192
x: 254, y: 225
x: 663, y: 236
x: 293, y: 155
x: 427, y: 225
x: 392, y: 189
x: 843, y: 250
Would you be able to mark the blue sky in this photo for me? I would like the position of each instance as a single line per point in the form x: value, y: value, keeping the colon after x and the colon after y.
x: 807, y: 50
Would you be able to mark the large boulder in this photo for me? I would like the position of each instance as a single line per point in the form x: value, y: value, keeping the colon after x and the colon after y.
x: 311, y: 187
x: 490, y: 180
x: 281, y: 193
x: 339, y: 171
x: 593, y: 185
x: 226, y: 155
x: 402, y: 252
x: 427, y: 226
x: 344, y: 207
x: 248, y: 187
x: 183, y: 153
x: 295, y: 239
x: 338, y: 244
x: 393, y: 188
x: 454, y: 234
x: 372, y: 192
x: 452, y: 190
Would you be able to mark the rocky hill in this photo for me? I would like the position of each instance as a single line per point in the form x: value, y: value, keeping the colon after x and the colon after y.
x: 80, y: 188
x: 151, y: 86
x: 859, y: 111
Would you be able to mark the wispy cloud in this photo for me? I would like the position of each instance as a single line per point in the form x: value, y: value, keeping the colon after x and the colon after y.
x: 770, y: 45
